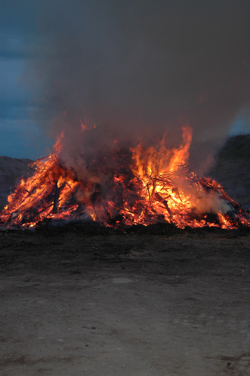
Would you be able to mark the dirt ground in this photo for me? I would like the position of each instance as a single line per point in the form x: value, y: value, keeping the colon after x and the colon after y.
x: 134, y: 305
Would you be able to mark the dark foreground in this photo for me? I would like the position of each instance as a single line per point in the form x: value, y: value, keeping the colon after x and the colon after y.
x: 75, y: 303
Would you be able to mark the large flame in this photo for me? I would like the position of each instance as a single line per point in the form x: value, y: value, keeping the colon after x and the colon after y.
x: 144, y: 186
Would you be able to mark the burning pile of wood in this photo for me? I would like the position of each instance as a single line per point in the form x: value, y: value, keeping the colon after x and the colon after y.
x: 125, y: 188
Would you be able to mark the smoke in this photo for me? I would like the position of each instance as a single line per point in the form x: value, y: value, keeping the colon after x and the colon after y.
x: 138, y: 68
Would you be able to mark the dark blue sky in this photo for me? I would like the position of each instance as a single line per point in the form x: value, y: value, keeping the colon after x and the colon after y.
x: 20, y: 135
x: 138, y: 67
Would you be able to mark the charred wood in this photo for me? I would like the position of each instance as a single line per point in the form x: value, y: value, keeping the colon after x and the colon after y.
x: 164, y: 202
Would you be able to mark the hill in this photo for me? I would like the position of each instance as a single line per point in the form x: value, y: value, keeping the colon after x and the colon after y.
x: 232, y: 168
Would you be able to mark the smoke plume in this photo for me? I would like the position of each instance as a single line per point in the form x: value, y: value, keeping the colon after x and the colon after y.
x: 140, y: 68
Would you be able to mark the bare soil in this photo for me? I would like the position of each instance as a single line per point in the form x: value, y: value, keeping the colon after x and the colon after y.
x: 124, y: 304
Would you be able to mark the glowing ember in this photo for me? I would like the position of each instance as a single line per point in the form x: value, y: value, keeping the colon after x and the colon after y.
x: 140, y: 186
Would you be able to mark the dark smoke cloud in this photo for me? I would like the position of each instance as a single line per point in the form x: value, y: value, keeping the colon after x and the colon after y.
x: 139, y: 67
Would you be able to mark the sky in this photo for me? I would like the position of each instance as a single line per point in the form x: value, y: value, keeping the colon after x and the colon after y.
x: 132, y: 69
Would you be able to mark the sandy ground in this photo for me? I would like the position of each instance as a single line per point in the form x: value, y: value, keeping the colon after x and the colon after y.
x: 133, y: 305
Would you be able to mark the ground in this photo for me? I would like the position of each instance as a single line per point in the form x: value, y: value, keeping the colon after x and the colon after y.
x: 124, y: 304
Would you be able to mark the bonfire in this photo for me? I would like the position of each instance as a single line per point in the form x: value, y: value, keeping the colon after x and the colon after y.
x: 127, y: 187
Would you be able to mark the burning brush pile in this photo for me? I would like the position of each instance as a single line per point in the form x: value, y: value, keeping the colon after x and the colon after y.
x: 122, y: 188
